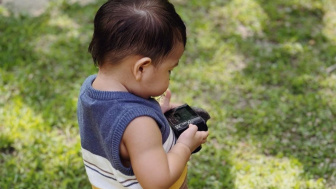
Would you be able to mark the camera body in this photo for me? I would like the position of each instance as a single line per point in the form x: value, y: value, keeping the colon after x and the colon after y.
x: 180, y: 117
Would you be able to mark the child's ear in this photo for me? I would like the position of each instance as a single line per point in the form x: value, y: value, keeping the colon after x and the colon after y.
x: 140, y: 67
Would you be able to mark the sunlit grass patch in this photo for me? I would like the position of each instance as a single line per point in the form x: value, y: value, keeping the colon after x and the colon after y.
x: 329, y: 29
x: 261, y: 68
x: 245, y: 18
x: 32, y: 152
x: 255, y: 170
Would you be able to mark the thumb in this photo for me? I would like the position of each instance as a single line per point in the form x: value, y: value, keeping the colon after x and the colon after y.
x: 165, y: 101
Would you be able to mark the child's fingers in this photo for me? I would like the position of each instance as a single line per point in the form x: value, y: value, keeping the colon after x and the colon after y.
x: 192, y: 137
x: 165, y: 98
x: 193, y: 128
x: 168, y: 94
x: 205, y: 135
x: 201, y: 135
x: 191, y: 132
x: 165, y: 101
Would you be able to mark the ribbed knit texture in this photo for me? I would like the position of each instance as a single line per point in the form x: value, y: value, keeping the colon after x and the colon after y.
x: 103, y: 117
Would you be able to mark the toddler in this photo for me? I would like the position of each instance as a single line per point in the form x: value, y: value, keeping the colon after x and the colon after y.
x: 126, y: 140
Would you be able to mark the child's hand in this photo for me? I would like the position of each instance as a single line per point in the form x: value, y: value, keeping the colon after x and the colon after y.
x: 193, y: 138
x: 165, y: 102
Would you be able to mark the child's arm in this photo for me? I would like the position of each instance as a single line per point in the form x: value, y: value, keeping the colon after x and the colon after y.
x: 153, y: 167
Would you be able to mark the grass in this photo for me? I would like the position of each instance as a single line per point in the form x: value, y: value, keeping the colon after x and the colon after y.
x: 259, y: 68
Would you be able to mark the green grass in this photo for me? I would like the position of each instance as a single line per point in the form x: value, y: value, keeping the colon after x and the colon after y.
x: 258, y: 66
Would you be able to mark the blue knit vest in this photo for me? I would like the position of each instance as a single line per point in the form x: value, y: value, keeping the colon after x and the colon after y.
x: 104, y: 115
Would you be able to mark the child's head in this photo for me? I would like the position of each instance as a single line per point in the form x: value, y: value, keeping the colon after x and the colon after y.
x: 149, y: 28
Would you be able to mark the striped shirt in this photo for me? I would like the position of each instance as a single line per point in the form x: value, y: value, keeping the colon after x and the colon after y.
x: 103, y: 117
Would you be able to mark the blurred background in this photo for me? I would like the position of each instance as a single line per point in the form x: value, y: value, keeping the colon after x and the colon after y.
x: 265, y: 70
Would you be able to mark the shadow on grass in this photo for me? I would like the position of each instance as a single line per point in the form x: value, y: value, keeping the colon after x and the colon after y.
x: 278, y: 95
x: 292, y: 117
x: 43, y: 61
x: 286, y: 109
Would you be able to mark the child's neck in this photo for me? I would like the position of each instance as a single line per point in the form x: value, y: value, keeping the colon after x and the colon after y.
x: 119, y: 77
x: 106, y: 81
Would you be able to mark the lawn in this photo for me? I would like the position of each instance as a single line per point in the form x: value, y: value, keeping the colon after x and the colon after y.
x: 261, y: 68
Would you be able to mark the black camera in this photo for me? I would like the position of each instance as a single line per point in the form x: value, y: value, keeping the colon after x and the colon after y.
x: 180, y: 117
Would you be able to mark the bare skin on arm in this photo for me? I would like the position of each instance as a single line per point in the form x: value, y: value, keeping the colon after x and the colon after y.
x: 136, y: 57
x: 154, y: 167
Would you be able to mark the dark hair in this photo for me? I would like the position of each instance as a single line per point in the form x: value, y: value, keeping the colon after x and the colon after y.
x: 135, y: 27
